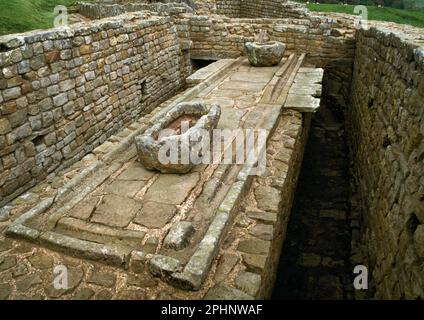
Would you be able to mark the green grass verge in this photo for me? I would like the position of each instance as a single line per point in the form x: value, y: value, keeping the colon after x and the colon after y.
x: 411, y: 17
x: 23, y: 15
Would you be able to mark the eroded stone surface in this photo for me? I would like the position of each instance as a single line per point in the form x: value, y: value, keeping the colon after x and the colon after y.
x: 264, y: 217
x: 264, y: 54
x: 102, y: 279
x: 154, y: 214
x: 116, y: 211
x: 125, y: 188
x: 223, y: 292
x: 179, y: 235
x: 172, y: 188
x: 248, y: 282
x: 163, y: 266
x: 75, y: 275
x: 263, y: 231
x: 135, y: 172
x: 150, y: 144
x: 225, y: 264
x: 254, y: 246
x: 254, y: 262
x: 268, y: 198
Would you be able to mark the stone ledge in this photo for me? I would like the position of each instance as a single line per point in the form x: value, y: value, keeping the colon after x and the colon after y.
x: 198, y: 266
x: 113, y: 255
x: 208, y: 71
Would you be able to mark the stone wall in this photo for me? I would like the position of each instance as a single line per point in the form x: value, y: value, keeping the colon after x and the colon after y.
x: 229, y: 8
x: 214, y: 37
x: 387, y: 149
x: 259, y: 9
x: 220, y: 37
x: 272, y: 9
x: 64, y: 91
x: 101, y: 10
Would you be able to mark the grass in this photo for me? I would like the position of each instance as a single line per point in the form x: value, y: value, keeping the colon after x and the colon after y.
x: 24, y: 15
x: 411, y: 17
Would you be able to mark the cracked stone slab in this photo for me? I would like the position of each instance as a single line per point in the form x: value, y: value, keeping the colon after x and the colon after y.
x: 41, y: 260
x: 254, y: 262
x: 104, y: 279
x: 172, y: 188
x: 301, y: 88
x: 154, y: 214
x: 84, y: 209
x: 263, y: 231
x: 7, y: 263
x: 27, y: 282
x: 179, y: 235
x: 163, y: 266
x: 302, y: 103
x: 5, y: 290
x: 230, y: 118
x: 264, y: 217
x: 226, y: 263
x: 116, y: 211
x: 75, y: 276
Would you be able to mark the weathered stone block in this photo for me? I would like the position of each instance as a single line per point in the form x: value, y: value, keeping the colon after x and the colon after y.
x: 179, y: 235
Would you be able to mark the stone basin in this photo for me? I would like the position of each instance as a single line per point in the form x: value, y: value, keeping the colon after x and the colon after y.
x: 164, y: 146
x: 264, y: 54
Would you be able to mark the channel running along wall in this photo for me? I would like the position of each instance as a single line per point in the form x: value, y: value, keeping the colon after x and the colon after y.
x: 63, y: 92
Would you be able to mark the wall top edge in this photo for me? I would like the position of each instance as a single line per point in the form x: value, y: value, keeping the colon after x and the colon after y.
x: 414, y: 43
x: 132, y: 21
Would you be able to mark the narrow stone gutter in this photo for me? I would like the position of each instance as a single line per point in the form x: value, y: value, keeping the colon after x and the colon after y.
x: 314, y: 263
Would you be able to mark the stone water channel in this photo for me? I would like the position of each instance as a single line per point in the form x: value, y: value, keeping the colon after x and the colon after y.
x: 315, y: 261
x: 111, y: 222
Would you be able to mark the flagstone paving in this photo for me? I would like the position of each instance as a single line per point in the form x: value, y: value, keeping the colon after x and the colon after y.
x: 136, y: 224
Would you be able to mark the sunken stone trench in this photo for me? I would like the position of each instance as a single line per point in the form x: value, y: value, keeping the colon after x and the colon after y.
x: 314, y: 262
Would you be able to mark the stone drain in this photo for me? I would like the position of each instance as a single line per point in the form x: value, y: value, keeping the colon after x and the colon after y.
x: 315, y: 257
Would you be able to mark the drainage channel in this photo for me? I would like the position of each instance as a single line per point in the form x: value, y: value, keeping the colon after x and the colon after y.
x: 314, y: 262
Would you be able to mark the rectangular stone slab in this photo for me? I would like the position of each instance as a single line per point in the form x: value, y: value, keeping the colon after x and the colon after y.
x: 260, y: 77
x: 172, y: 188
x: 302, y: 103
x: 116, y: 211
x: 245, y: 85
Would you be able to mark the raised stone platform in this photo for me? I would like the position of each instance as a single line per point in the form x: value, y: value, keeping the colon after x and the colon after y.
x: 110, y: 209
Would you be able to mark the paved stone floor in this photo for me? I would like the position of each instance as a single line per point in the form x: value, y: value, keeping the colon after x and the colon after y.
x: 149, y: 205
x: 81, y: 220
x: 315, y: 258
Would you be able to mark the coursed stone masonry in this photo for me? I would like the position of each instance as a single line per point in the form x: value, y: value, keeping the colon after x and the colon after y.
x: 64, y: 91
x: 386, y: 122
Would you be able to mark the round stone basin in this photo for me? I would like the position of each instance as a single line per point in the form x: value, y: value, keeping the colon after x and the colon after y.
x: 264, y: 54
x: 168, y: 145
